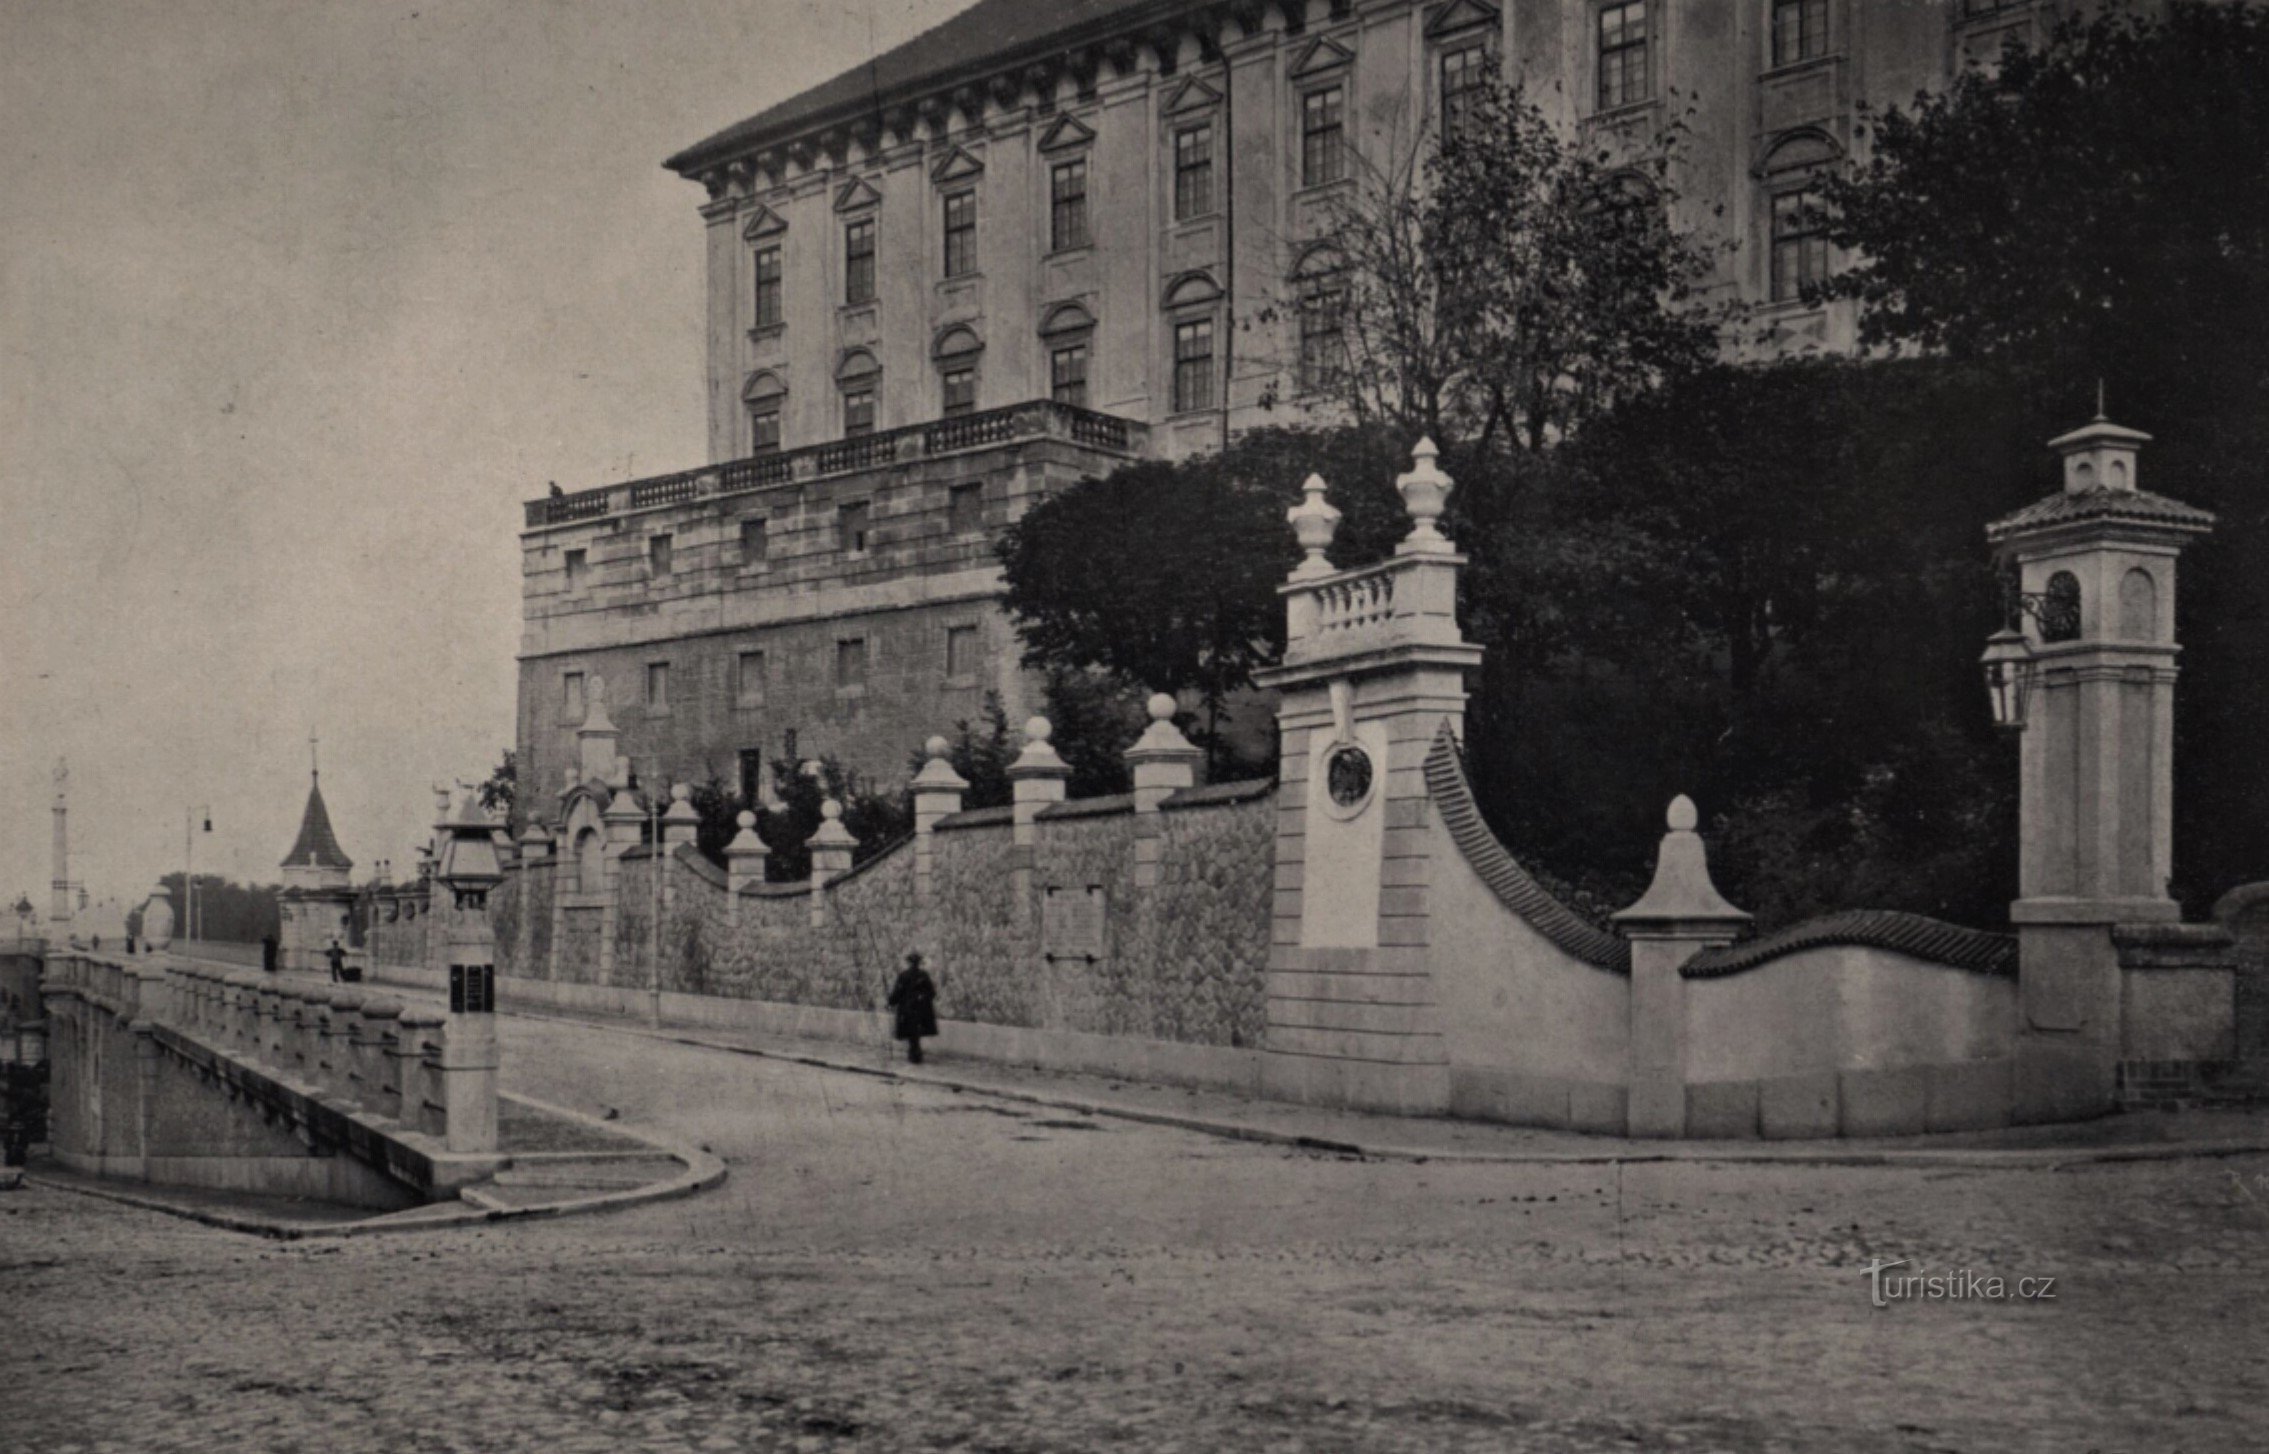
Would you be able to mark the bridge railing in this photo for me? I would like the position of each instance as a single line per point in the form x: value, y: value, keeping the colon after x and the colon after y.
x: 344, y: 1045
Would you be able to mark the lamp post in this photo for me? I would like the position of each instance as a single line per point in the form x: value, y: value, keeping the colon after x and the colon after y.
x: 469, y: 868
x: 654, y: 861
x: 189, y: 817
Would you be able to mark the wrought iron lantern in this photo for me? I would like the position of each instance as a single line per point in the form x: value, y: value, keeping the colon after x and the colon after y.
x: 468, y: 862
x: 2008, y: 663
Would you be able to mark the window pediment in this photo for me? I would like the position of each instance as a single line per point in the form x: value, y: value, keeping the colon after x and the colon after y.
x: 957, y: 165
x: 1322, y: 55
x: 857, y: 364
x: 763, y: 384
x: 958, y: 341
x: 1192, y: 288
x: 1800, y: 150
x: 1192, y: 95
x: 1460, y: 15
x: 1065, y: 133
x: 763, y: 223
x: 856, y: 194
x: 1066, y: 318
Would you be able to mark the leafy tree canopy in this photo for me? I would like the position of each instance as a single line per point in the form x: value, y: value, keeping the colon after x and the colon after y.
x: 2095, y: 208
x: 1503, y: 282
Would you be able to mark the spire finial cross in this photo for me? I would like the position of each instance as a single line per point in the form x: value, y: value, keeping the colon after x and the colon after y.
x: 314, y: 763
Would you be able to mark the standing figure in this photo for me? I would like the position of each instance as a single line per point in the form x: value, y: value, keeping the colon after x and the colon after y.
x: 915, y: 999
x: 338, y: 959
x: 268, y: 951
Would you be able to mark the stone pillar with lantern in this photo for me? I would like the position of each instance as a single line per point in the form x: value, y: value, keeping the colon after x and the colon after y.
x: 2085, y: 672
x: 468, y: 868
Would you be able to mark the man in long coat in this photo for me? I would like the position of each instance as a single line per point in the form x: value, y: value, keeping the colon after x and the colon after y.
x: 914, y: 998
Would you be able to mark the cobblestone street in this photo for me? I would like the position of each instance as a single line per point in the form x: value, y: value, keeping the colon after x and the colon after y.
x: 893, y: 1266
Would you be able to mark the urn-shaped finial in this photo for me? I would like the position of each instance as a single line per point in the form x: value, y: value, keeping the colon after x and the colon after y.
x: 1314, y: 522
x: 1423, y: 489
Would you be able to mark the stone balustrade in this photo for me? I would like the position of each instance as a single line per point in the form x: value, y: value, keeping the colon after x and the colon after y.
x: 1034, y: 419
x: 344, y: 1045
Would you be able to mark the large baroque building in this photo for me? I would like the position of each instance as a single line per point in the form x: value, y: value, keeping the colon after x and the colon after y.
x: 1049, y: 236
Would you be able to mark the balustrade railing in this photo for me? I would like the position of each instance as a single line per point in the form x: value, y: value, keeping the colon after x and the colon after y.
x: 1034, y: 419
x: 1351, y: 604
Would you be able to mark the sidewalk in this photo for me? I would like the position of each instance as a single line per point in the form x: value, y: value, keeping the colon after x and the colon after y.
x: 2138, y: 1136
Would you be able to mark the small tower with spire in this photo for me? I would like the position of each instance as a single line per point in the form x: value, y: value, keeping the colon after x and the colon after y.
x: 316, y: 902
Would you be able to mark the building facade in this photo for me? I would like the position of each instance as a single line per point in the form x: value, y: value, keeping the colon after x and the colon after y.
x: 1050, y: 235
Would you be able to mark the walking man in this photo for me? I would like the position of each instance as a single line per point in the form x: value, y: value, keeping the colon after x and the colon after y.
x: 338, y: 959
x: 915, y: 999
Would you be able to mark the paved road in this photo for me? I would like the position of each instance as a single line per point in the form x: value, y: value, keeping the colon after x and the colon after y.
x: 899, y: 1267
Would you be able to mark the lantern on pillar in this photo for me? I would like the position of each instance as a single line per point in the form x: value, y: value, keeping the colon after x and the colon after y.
x: 2008, y: 663
x: 468, y: 867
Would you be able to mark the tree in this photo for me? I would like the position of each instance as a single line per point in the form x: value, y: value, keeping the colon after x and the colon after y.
x: 980, y: 752
x: 2095, y: 209
x: 1162, y: 575
x: 500, y: 792
x: 1500, y: 283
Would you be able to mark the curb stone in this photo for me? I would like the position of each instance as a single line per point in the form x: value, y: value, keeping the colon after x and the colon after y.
x: 1787, y: 1153
x: 703, y: 1170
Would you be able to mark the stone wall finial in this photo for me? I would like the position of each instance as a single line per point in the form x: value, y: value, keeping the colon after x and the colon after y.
x: 1039, y: 758
x: 1314, y: 522
x: 1682, y: 898
x: 681, y: 822
x: 1424, y: 489
x: 1162, y: 761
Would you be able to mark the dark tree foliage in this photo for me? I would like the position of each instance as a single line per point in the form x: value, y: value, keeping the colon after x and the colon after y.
x: 876, y: 819
x: 500, y: 791
x: 2099, y: 210
x: 980, y: 752
x: 227, y: 911
x: 1163, y: 576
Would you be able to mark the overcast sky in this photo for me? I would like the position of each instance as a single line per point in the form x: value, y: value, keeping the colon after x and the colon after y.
x: 298, y: 300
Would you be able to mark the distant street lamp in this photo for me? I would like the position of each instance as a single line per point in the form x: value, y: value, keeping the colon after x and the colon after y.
x: 2008, y: 663
x: 189, y: 817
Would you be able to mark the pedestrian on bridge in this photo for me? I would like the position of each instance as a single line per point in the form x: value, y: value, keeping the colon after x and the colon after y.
x: 268, y: 952
x: 915, y: 999
x: 338, y: 959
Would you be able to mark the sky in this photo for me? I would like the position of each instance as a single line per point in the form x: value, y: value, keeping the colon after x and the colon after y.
x: 299, y: 299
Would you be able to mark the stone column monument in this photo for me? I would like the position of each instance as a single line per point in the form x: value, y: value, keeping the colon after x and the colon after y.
x: 2094, y: 676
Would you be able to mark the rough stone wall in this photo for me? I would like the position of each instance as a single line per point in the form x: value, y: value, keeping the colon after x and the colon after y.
x: 402, y: 941
x: 1182, y: 962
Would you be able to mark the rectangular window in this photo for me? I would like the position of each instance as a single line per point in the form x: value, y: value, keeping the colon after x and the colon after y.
x: 1323, y: 137
x: 751, y: 763
x: 1800, y: 244
x: 578, y: 570
x: 859, y: 261
x: 1193, y: 365
x: 960, y: 234
x: 858, y: 411
x: 1623, y: 54
x: 1067, y: 374
x: 1067, y: 205
x: 965, y: 508
x: 960, y: 651
x: 1800, y: 30
x: 851, y: 663
x: 756, y: 539
x: 1193, y: 171
x: 767, y: 287
x: 1323, y: 345
x: 571, y: 696
x: 658, y: 555
x: 764, y: 426
x: 658, y: 685
x: 748, y: 679
x: 851, y: 528
x: 960, y: 382
x: 1464, y: 71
